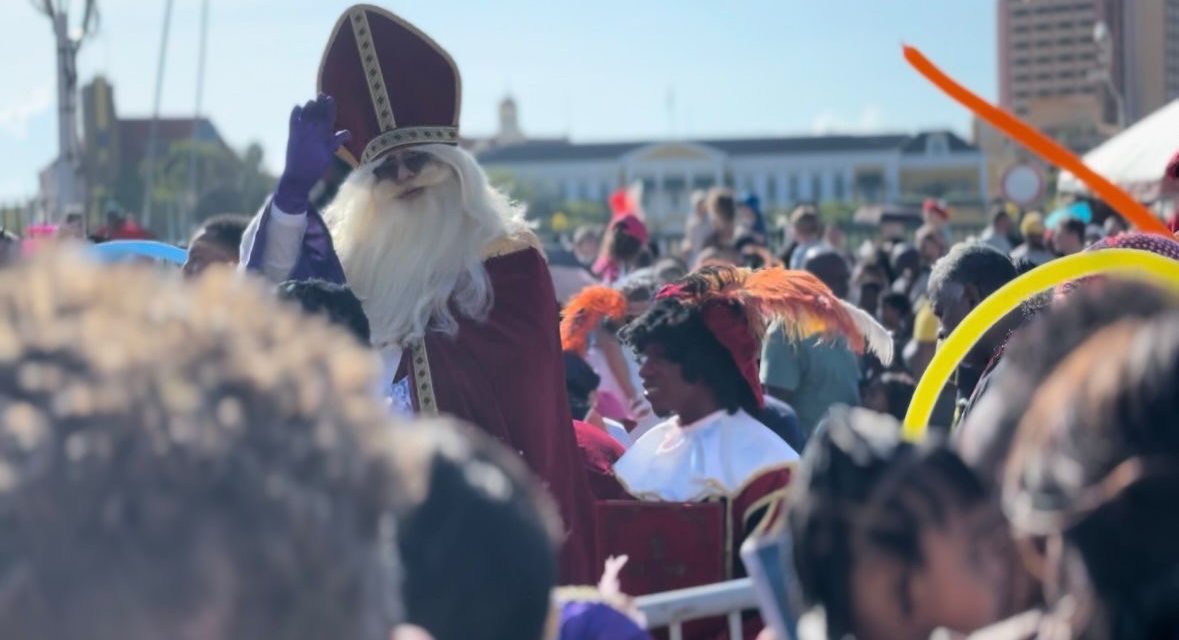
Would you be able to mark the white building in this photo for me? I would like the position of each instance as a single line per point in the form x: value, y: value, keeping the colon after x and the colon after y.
x: 894, y: 169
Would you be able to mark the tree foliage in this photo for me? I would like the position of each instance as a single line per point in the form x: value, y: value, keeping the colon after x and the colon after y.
x: 224, y: 182
x: 542, y: 201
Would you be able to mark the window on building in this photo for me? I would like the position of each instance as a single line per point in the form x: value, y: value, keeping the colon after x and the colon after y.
x: 742, y: 185
x: 648, y: 189
x: 937, y: 144
x: 838, y: 187
x: 869, y: 187
x: 816, y: 188
x: 771, y: 190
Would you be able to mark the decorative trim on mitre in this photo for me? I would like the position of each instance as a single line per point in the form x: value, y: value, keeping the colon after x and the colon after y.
x: 511, y: 243
x: 377, y: 91
x: 406, y: 136
x: 345, y: 20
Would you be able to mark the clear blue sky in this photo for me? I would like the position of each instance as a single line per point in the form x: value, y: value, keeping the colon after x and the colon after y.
x: 600, y: 70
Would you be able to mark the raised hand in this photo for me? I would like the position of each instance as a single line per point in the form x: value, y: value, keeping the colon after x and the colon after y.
x: 311, y: 143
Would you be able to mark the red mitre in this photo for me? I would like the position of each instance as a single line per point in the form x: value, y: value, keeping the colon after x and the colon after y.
x: 393, y: 85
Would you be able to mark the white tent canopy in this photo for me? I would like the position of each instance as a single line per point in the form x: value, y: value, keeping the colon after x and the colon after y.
x: 1135, y: 158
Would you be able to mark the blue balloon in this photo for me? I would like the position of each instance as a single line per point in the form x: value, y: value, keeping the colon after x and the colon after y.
x: 116, y: 249
x: 1079, y: 210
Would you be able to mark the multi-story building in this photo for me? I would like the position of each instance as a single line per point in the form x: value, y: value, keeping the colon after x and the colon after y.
x: 115, y: 148
x: 893, y: 169
x: 1149, y: 65
x: 1081, y: 82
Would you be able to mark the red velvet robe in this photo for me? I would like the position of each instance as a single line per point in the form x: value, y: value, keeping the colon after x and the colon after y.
x: 506, y: 376
x: 599, y: 452
x: 676, y: 545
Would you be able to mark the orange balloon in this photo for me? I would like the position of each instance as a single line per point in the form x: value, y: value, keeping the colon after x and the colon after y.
x: 1042, y: 145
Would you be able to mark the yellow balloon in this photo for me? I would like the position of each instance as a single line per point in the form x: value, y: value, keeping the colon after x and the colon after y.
x: 1079, y: 265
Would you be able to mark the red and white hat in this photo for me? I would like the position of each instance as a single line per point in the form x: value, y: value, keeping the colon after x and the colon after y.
x: 393, y: 85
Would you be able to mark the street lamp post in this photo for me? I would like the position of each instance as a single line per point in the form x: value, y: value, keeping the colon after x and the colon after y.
x: 64, y: 188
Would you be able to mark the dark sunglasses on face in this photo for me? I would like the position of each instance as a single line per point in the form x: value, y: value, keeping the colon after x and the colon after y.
x: 413, y: 161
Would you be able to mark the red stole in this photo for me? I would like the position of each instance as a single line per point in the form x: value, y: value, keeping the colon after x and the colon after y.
x: 506, y: 376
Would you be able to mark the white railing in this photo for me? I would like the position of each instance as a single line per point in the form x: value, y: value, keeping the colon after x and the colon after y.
x: 673, y: 608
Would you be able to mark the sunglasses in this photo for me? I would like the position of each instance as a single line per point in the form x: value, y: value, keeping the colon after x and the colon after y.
x: 413, y: 161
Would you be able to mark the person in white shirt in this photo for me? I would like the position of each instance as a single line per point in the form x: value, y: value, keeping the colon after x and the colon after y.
x: 700, y: 343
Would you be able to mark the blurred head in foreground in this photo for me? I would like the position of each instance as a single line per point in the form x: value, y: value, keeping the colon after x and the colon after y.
x: 199, y: 478
x: 1093, y: 479
x: 479, y: 538
x: 892, y: 539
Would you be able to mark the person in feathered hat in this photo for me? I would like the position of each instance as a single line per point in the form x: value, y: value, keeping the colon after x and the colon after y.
x: 700, y: 342
x: 458, y: 297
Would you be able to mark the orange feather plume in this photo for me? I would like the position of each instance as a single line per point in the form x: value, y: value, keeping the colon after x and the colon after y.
x: 800, y: 301
x: 585, y: 311
x: 803, y: 304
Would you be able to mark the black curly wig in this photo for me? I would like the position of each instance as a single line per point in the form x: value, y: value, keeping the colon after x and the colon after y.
x: 680, y: 330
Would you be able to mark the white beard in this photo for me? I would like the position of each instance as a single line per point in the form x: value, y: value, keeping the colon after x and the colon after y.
x: 415, y: 263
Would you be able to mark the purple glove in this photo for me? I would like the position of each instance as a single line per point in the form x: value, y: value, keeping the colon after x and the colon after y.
x: 310, y: 146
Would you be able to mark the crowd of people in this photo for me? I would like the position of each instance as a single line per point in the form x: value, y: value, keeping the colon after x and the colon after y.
x: 402, y: 416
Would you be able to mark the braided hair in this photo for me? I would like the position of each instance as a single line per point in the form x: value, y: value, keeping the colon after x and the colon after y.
x: 1094, y: 462
x: 858, y: 485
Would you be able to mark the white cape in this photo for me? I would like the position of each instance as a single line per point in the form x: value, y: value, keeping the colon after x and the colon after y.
x: 713, y: 457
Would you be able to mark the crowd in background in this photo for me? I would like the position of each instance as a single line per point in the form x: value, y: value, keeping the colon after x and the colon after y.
x: 888, y: 276
x: 158, y: 432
